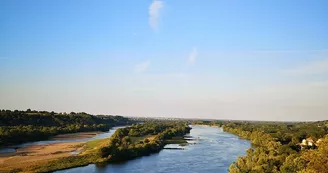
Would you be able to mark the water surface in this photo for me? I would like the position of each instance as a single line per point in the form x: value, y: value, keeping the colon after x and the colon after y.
x: 213, y: 151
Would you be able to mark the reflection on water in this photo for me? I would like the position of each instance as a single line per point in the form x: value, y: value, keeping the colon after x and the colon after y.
x: 213, y: 151
x: 12, y: 149
x: 7, y: 150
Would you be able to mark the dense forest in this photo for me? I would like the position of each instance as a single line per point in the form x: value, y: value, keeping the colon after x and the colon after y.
x: 282, y: 147
x: 21, y: 126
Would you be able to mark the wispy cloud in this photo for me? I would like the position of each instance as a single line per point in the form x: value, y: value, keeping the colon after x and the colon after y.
x: 313, y: 68
x: 192, y: 56
x: 141, y: 67
x: 154, y: 13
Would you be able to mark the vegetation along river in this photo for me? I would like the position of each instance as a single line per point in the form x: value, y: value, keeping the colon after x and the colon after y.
x: 212, y: 150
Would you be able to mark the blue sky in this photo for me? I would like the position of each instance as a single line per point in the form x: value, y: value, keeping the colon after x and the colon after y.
x: 262, y: 60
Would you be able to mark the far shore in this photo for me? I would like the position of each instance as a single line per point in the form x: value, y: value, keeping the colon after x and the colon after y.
x: 204, y: 125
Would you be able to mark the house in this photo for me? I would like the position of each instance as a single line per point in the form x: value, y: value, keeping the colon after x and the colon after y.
x: 308, y: 142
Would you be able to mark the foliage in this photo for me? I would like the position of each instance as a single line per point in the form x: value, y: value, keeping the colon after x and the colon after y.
x: 21, y: 126
x: 277, y: 147
x: 317, y: 159
x: 120, y: 147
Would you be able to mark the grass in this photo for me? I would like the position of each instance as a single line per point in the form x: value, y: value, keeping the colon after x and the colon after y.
x: 135, y: 140
x: 94, y: 144
x: 66, y: 162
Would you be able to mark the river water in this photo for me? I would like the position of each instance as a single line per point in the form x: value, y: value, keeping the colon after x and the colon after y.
x: 213, y: 151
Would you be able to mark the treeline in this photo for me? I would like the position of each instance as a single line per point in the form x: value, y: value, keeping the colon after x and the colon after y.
x: 207, y: 123
x: 22, y: 126
x: 120, y: 147
x: 277, y: 147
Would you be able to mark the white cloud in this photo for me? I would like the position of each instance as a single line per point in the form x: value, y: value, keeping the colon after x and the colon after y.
x: 313, y: 68
x: 142, y: 66
x: 192, y: 56
x: 154, y: 13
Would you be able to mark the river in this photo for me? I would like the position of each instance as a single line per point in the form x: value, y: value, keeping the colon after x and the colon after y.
x: 213, y: 151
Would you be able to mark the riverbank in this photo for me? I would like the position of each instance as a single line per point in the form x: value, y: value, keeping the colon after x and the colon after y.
x: 62, y: 138
x: 30, y: 156
x: 25, y: 158
x: 58, y: 156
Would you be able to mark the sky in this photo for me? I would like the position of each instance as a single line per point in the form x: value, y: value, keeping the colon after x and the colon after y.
x: 218, y: 59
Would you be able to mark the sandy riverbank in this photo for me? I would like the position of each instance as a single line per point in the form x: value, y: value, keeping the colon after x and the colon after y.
x: 38, y: 154
x: 31, y: 155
